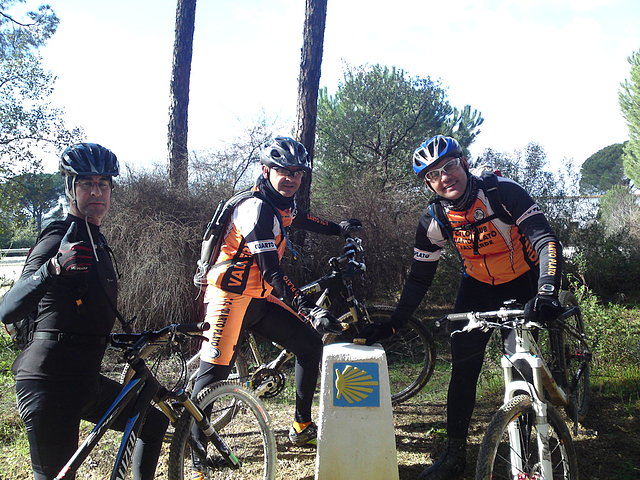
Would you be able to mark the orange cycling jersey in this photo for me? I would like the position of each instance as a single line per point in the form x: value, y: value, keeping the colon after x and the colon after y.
x: 503, y: 251
x: 494, y: 252
x: 250, y: 232
x: 253, y: 246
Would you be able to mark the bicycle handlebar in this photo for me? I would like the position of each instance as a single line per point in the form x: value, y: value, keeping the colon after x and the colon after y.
x: 503, y: 313
x: 137, y: 340
x: 353, y: 245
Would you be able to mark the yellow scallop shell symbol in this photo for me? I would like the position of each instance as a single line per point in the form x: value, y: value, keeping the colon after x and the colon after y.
x: 354, y: 384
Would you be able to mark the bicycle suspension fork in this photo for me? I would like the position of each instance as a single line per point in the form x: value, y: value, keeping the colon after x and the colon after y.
x: 519, y: 431
x: 205, y: 426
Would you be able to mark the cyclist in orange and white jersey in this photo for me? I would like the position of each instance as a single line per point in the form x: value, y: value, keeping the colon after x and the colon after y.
x: 511, y: 255
x: 240, y: 284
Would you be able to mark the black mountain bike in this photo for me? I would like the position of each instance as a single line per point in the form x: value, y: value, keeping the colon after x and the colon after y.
x: 241, y: 446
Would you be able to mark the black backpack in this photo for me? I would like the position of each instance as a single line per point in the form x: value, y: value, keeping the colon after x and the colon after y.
x: 212, y: 238
x: 21, y: 331
x: 490, y: 187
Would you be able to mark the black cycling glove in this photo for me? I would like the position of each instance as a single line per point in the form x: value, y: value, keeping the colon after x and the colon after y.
x: 322, y: 320
x: 73, y: 256
x: 542, y: 308
x: 347, y: 227
x: 375, y: 332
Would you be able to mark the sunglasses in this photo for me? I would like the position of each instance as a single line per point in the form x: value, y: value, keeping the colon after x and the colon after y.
x: 285, y: 172
x: 88, y: 185
x: 448, y: 168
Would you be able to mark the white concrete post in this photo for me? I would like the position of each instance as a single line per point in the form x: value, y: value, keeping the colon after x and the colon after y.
x: 356, y: 437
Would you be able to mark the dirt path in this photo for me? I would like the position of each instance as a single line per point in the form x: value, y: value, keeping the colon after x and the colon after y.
x: 610, y: 452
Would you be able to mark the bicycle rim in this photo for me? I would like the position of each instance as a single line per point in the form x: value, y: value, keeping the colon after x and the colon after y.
x: 505, y: 458
x: 410, y: 353
x: 248, y: 435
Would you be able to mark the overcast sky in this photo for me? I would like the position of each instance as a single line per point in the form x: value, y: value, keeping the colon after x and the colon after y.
x: 547, y: 71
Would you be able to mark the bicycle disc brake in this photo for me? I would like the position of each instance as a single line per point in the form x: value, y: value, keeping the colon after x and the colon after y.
x: 268, y: 382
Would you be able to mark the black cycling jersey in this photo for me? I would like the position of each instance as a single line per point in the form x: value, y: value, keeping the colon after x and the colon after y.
x: 80, y: 305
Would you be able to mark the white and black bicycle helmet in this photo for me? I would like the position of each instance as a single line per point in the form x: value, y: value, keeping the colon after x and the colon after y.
x: 433, y: 150
x: 285, y: 152
x: 85, y: 159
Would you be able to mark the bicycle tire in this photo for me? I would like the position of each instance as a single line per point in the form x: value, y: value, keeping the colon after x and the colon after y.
x: 249, y: 435
x: 494, y: 458
x: 238, y: 376
x: 410, y: 352
x: 574, y: 359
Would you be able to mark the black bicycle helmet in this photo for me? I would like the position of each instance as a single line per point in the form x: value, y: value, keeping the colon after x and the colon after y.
x: 285, y: 152
x: 432, y: 150
x: 88, y: 159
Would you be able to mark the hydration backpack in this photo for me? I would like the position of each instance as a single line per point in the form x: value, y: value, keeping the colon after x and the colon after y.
x: 21, y: 331
x: 212, y: 238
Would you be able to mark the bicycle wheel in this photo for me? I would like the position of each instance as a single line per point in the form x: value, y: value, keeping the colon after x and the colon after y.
x: 411, y: 352
x: 575, y: 359
x: 499, y: 458
x: 248, y: 435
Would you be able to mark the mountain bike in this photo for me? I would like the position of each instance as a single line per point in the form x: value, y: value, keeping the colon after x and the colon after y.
x: 410, y: 353
x: 527, y: 438
x: 244, y: 447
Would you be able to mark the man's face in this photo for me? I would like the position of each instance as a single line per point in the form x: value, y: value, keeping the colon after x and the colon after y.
x: 286, y: 181
x: 448, y: 178
x: 93, y: 198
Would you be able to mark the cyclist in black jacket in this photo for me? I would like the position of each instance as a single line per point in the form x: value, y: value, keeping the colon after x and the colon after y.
x: 504, y: 258
x: 70, y: 280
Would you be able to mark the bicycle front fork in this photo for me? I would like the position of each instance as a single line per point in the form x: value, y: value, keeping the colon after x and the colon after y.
x: 231, y: 460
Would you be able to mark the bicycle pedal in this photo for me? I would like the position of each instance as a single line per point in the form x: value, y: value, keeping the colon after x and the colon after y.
x: 588, y: 432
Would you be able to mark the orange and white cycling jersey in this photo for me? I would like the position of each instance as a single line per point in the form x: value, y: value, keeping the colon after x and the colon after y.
x: 494, y: 252
x: 503, y: 251
x: 254, y: 230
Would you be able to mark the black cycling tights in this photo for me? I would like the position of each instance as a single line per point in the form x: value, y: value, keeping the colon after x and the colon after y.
x: 467, y: 349
x: 281, y: 326
x: 52, y: 411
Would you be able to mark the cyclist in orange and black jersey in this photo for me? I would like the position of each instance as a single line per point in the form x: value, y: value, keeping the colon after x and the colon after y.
x: 518, y: 257
x: 238, y: 294
x: 495, y: 252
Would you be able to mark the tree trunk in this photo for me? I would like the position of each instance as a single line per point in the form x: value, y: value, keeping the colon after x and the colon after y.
x: 179, y: 108
x: 308, y: 85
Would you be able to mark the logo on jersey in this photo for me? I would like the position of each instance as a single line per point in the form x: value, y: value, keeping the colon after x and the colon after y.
x: 214, y: 352
x: 262, y: 246
x: 478, y: 214
x: 533, y: 210
x: 424, y: 256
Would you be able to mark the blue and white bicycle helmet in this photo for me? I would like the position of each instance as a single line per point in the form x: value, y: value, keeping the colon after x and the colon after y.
x: 433, y: 150
x: 285, y: 152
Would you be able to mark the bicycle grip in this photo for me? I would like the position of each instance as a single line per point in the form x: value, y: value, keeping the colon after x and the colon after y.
x: 193, y: 327
x: 455, y: 317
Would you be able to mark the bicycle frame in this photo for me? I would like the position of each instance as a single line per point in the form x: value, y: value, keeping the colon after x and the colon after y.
x: 137, y: 395
x: 337, y: 282
x: 139, y: 390
x: 527, y: 351
x: 541, y: 381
